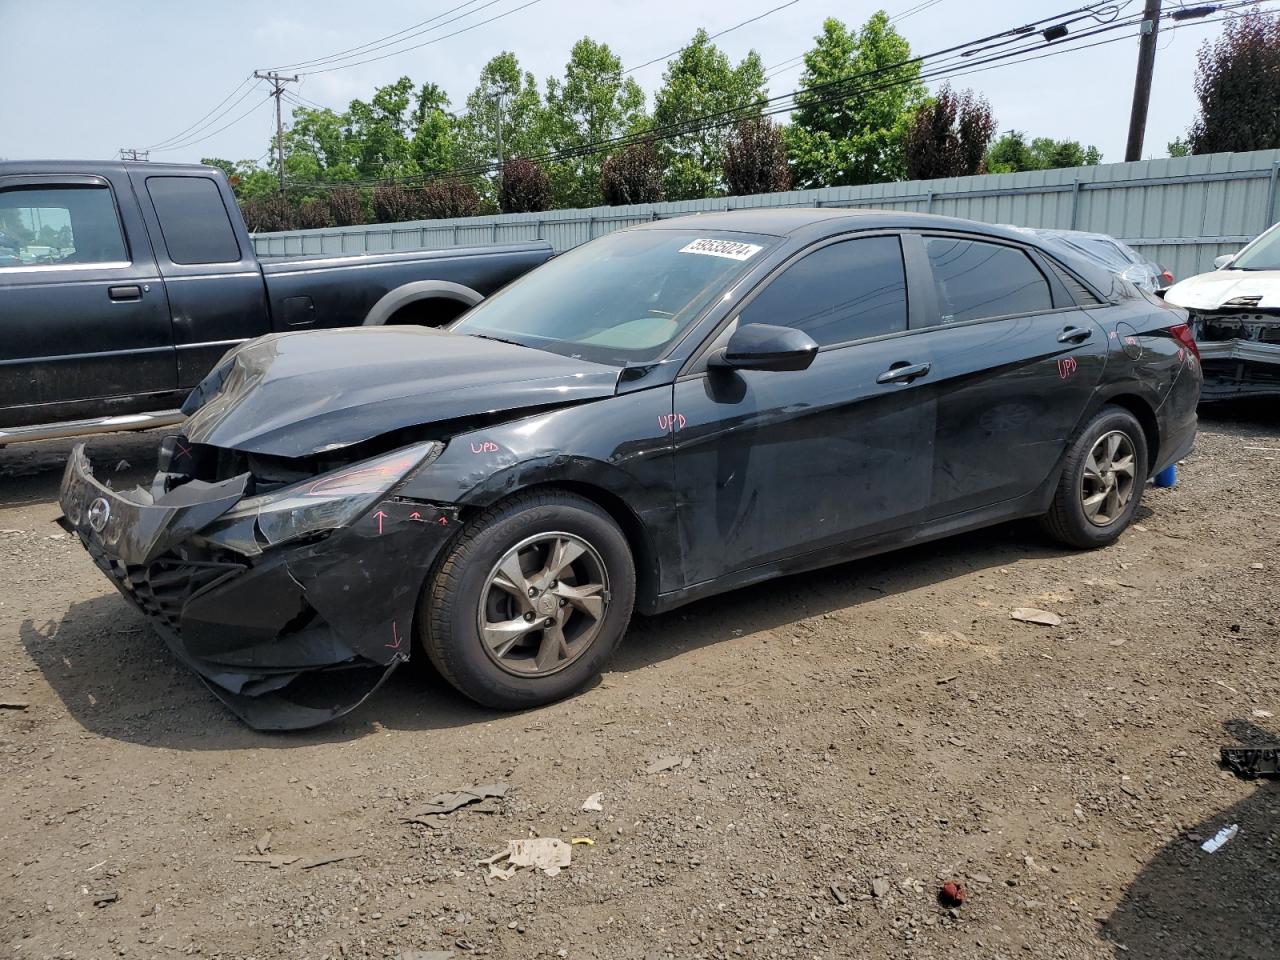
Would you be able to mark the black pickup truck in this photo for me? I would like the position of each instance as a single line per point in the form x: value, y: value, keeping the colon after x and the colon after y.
x: 122, y: 284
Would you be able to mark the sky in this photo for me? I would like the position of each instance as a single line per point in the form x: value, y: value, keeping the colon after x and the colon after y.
x: 86, y: 77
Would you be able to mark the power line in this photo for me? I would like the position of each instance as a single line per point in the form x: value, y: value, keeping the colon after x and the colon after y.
x: 213, y: 133
x: 207, y: 116
x: 668, y: 56
x: 381, y: 41
x: 425, y: 43
x: 784, y: 103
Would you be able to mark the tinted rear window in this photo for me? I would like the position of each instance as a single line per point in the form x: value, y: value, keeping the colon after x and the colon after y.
x: 976, y: 280
x: 193, y: 220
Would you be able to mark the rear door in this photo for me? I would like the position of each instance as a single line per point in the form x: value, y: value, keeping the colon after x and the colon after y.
x: 1015, y: 362
x: 216, y: 291
x: 83, y: 314
x: 772, y: 465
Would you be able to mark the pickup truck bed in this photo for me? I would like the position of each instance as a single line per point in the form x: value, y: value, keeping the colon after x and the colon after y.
x: 122, y: 284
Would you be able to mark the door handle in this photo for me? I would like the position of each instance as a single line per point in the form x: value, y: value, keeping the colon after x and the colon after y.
x: 129, y: 292
x: 1075, y: 334
x: 903, y: 372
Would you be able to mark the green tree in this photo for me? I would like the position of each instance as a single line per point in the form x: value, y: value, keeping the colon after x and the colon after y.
x: 698, y: 82
x: 379, y: 131
x: 1238, y: 86
x: 1012, y: 153
x: 522, y: 126
x: 592, y: 103
x: 1179, y: 148
x: 434, y: 145
x: 857, y: 97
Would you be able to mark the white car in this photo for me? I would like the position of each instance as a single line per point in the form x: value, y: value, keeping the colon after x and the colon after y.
x: 1235, y: 317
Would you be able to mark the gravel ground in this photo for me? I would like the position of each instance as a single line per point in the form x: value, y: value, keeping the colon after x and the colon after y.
x: 854, y: 739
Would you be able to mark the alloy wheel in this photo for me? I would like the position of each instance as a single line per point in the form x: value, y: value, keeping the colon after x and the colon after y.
x: 1108, y: 482
x: 543, y: 604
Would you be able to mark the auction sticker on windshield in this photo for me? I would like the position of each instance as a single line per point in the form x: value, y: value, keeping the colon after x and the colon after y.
x: 729, y: 249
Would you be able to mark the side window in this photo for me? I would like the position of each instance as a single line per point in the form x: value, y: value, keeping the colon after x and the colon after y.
x: 975, y: 280
x: 60, y: 224
x: 845, y: 291
x: 193, y: 220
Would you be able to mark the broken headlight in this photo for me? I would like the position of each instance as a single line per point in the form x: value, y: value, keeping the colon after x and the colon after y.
x: 317, y: 505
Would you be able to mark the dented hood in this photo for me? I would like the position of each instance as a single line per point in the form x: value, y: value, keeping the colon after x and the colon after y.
x: 297, y: 394
x: 1216, y: 290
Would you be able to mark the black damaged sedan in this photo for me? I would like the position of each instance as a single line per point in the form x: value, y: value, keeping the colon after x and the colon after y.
x: 664, y: 413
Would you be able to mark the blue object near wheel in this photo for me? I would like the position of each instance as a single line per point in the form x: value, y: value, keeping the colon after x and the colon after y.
x: 1167, y: 477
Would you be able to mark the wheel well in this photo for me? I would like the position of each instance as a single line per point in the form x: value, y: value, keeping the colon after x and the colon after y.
x: 646, y: 559
x: 1147, y: 417
x: 428, y: 312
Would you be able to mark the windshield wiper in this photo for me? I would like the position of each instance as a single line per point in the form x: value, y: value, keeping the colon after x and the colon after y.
x: 487, y: 336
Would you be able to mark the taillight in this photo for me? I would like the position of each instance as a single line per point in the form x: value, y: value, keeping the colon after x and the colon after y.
x: 1182, y: 333
x: 1167, y: 277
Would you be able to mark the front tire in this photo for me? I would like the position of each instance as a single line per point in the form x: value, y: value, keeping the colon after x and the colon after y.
x: 530, y: 601
x: 1102, y: 481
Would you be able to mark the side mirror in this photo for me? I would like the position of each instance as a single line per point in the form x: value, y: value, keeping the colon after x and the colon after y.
x: 1222, y: 261
x: 762, y: 346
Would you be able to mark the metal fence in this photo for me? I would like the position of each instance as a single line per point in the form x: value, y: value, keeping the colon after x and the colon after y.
x: 1181, y: 212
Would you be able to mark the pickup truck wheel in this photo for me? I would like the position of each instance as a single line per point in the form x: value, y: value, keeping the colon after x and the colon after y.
x: 1102, y: 481
x: 530, y: 601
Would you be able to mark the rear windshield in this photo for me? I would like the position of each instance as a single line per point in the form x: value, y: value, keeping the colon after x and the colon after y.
x: 625, y: 297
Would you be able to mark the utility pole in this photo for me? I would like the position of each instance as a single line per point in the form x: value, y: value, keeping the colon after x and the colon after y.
x: 128, y: 153
x: 277, y: 91
x: 498, y: 98
x: 1142, y: 83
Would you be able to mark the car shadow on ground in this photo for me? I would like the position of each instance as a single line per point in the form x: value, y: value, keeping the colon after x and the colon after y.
x: 1188, y: 903
x: 117, y: 678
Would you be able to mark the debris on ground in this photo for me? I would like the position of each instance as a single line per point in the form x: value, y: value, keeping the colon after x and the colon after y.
x: 952, y: 894
x: 425, y: 955
x: 1249, y: 763
x: 1043, y: 618
x: 329, y: 858
x: 841, y: 897
x: 13, y: 704
x: 263, y: 843
x: 122, y: 466
x: 879, y: 888
x: 592, y: 803
x: 548, y: 854
x: 274, y: 860
x: 1220, y: 838
x: 669, y: 763
x: 582, y: 841
x: 443, y: 803
x: 103, y: 897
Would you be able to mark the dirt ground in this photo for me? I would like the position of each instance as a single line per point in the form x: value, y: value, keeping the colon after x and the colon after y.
x: 855, y: 738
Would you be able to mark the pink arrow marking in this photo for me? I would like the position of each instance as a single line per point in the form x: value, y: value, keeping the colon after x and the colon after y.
x: 396, y: 635
x: 380, y: 516
x: 415, y: 515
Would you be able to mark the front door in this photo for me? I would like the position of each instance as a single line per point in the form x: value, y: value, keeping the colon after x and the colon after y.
x: 772, y: 465
x: 1015, y: 363
x: 83, y: 316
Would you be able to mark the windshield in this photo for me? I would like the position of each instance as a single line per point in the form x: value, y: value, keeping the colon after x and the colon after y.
x: 623, y: 298
x: 1262, y: 254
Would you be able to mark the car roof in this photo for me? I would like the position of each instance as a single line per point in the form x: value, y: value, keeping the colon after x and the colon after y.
x: 814, y: 223
x: 803, y: 225
x: 36, y: 168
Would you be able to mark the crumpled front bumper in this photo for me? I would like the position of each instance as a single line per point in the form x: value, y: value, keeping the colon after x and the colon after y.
x: 289, y: 637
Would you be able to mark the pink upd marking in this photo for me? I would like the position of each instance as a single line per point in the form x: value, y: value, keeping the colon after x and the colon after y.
x: 670, y: 421
x: 1067, y: 367
x: 396, y: 635
x: 484, y: 446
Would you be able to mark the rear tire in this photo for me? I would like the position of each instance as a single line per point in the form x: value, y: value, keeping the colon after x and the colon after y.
x: 1102, y: 481
x: 529, y: 601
